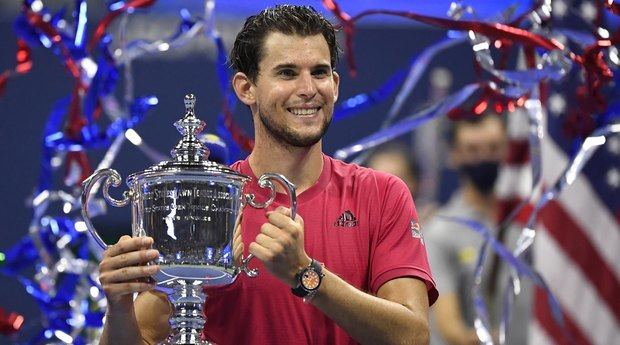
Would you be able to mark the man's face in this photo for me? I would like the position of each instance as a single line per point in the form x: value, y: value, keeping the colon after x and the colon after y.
x: 295, y: 89
x: 479, y: 142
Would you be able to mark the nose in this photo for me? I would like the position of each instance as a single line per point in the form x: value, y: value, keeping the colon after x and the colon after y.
x: 306, y: 86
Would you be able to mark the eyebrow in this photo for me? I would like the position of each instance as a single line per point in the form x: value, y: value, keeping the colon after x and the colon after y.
x: 293, y: 66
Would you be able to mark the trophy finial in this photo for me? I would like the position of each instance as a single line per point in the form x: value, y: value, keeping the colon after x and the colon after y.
x: 190, y: 102
x: 189, y: 148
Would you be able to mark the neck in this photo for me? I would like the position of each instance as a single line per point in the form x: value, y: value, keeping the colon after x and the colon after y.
x: 301, y: 165
x: 482, y: 203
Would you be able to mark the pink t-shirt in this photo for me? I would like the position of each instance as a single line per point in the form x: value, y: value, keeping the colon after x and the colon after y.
x: 362, y: 224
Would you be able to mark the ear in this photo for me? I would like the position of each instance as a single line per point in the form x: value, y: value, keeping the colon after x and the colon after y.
x: 336, y: 77
x: 244, y: 89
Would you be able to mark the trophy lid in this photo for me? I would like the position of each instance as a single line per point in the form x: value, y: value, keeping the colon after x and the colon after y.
x: 190, y: 155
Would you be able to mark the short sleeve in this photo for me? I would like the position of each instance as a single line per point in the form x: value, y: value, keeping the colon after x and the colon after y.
x: 398, y: 248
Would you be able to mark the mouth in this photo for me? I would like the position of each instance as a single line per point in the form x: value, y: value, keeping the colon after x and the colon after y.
x: 304, y: 111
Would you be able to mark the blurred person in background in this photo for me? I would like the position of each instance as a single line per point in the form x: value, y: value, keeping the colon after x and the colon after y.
x: 397, y: 159
x: 477, y: 148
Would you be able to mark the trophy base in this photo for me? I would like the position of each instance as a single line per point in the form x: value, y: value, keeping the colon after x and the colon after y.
x: 187, y: 320
x: 181, y: 339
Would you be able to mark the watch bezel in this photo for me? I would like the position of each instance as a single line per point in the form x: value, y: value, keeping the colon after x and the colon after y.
x: 316, y: 274
x: 301, y: 290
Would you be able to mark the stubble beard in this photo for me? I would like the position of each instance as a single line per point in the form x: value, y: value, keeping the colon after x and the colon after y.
x: 284, y: 134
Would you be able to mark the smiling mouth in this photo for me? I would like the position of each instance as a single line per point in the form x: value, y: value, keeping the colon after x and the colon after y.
x: 303, y: 111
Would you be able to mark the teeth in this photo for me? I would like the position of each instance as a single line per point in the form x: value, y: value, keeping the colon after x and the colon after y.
x: 303, y: 111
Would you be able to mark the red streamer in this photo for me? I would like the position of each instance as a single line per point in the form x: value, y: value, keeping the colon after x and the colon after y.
x: 107, y: 20
x: 36, y: 20
x: 24, y: 64
x: 243, y: 140
x: 598, y: 73
x: 73, y: 130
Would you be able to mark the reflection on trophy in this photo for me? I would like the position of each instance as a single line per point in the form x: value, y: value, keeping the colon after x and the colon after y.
x: 189, y: 206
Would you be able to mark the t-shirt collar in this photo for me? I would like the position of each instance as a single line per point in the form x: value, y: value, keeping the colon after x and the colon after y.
x: 262, y: 194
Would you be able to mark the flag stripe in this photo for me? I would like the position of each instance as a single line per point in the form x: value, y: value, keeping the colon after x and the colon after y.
x: 514, y: 181
x: 579, y: 200
x: 574, y: 291
x: 577, y: 246
x: 538, y: 335
x: 553, y: 330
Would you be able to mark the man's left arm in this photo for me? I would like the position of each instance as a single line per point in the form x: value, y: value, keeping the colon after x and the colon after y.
x: 397, y: 315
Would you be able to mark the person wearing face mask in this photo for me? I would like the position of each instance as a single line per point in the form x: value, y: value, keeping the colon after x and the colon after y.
x: 477, y: 148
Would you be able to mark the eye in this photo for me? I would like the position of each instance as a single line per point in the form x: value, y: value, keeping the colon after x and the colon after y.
x: 321, y: 72
x: 286, y: 73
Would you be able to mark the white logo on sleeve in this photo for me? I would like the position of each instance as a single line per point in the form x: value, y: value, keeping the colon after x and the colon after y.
x: 415, y: 231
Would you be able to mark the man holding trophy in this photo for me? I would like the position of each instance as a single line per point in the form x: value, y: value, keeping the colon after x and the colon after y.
x: 349, y: 267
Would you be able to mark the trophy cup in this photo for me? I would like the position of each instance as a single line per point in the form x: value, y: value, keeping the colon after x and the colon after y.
x: 189, y: 206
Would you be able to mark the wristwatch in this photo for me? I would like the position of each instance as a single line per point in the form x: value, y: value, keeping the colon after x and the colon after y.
x: 308, y: 280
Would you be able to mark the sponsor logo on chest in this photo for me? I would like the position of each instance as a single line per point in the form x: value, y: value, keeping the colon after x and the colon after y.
x: 346, y: 220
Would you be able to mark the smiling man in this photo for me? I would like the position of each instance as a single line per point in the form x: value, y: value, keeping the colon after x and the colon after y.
x: 348, y: 269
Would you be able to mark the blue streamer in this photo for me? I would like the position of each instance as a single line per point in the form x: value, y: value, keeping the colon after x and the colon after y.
x: 80, y: 19
x: 55, y: 303
x: 234, y: 151
x: 102, y: 139
x: 365, y: 100
x: 409, y: 124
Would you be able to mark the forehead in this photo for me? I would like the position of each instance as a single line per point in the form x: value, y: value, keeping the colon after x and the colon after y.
x: 490, y: 129
x: 280, y: 48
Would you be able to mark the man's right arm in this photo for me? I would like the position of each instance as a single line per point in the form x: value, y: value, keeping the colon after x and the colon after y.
x: 123, y: 272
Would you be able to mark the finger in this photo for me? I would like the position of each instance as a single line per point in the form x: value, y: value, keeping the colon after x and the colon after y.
x: 121, y: 289
x: 283, y: 223
x: 126, y: 274
x: 237, y: 241
x: 271, y: 244
x: 237, y: 233
x: 260, y: 252
x: 273, y: 231
x: 128, y: 244
x: 128, y: 259
x: 239, y: 217
x: 287, y: 212
x: 238, y: 252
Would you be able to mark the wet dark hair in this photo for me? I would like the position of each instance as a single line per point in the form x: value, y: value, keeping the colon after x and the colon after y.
x: 247, y: 51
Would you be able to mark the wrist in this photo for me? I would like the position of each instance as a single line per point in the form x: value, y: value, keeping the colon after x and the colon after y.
x: 120, y: 310
x: 293, y: 281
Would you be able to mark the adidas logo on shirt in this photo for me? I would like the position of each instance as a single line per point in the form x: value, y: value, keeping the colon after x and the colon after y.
x: 346, y: 220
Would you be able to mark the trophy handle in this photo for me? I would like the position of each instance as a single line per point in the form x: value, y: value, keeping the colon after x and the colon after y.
x: 112, y: 178
x: 265, y: 181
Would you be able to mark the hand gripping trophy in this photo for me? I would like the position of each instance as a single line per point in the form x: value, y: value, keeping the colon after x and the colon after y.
x: 189, y: 206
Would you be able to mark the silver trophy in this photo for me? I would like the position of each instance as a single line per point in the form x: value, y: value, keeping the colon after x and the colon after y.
x: 189, y: 206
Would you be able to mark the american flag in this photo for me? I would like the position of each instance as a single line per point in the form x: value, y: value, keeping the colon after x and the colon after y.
x: 577, y: 245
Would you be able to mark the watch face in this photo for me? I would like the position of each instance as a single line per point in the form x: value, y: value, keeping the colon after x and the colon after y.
x: 310, y: 280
